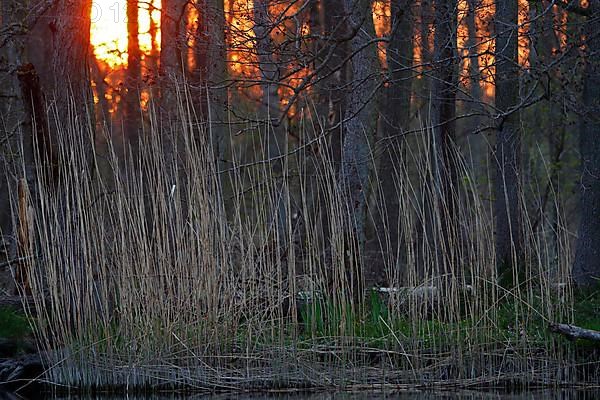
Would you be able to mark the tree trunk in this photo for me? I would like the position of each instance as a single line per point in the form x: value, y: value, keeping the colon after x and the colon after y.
x: 217, y: 81
x: 474, y: 75
x: 508, y: 139
x: 425, y: 25
x: 66, y: 78
x: 395, y: 121
x: 474, y: 96
x: 267, y: 65
x: 171, y: 49
x: 573, y: 332
x: 399, y: 60
x: 208, y: 78
x: 359, y: 129
x: 552, y: 123
x: 15, y: 131
x: 274, y: 136
x: 131, y: 117
x: 171, y: 74
x: 586, y: 269
x: 330, y: 52
x: 269, y: 109
x: 443, y: 105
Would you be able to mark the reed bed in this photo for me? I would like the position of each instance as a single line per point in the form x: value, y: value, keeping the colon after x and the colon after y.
x: 151, y: 268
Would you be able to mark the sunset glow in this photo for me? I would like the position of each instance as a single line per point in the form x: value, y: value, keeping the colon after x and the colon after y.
x: 108, y: 33
x: 109, y: 39
x: 382, y: 19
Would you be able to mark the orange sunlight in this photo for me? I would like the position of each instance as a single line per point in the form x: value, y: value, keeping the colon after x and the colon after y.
x: 108, y: 34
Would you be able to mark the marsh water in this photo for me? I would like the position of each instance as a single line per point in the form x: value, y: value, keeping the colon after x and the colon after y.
x: 563, y: 394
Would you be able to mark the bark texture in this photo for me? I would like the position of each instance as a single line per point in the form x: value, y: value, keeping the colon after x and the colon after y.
x: 508, y: 138
x: 586, y: 269
x: 399, y: 61
x: 60, y: 55
x: 172, y: 46
x: 217, y: 80
x: 395, y: 121
x: 573, y: 332
x: 131, y: 117
x: 443, y: 114
x: 359, y: 128
x: 330, y: 53
x: 13, y: 128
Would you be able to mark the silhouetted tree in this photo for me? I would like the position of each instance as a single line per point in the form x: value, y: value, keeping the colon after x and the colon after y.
x: 172, y: 47
x: 131, y: 114
x: 508, y: 137
x: 63, y: 65
x: 443, y: 114
x: 15, y: 130
x: 395, y: 121
x: 330, y: 29
x: 586, y: 269
x: 217, y: 79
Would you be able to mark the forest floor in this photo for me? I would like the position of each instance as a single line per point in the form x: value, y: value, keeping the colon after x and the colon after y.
x: 20, y: 361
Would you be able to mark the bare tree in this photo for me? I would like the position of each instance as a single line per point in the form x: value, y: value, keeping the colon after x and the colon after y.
x: 425, y: 45
x: 50, y: 73
x: 65, y: 79
x: 131, y: 112
x: 472, y: 46
x: 443, y: 114
x: 274, y: 136
x: 399, y: 56
x: 15, y: 134
x: 267, y: 65
x: 172, y: 46
x: 395, y: 121
x: 330, y: 29
x: 508, y: 137
x: 217, y: 79
x: 551, y: 116
x: 360, y: 127
x: 586, y: 269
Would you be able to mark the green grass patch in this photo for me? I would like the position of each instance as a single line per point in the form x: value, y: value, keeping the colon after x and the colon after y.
x: 586, y: 308
x: 13, y: 324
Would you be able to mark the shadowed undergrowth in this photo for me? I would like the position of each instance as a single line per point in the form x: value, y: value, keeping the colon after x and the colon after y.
x: 154, y: 269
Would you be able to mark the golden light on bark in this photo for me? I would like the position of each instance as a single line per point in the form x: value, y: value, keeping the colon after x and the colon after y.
x: 149, y: 17
x: 382, y: 19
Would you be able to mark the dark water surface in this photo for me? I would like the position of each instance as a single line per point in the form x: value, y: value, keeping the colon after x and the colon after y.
x: 566, y: 394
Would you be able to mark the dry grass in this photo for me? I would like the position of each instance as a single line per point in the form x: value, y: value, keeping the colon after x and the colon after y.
x: 155, y: 270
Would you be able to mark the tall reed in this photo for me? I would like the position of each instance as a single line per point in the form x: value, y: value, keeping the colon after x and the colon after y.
x: 154, y: 269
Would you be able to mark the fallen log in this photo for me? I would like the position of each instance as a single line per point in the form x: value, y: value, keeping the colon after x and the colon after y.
x: 573, y: 332
x: 422, y: 291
